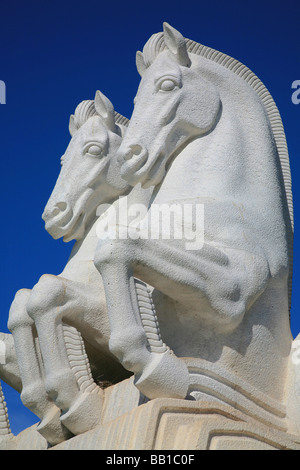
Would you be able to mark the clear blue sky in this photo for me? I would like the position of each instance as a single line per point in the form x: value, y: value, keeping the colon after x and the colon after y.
x: 56, y: 53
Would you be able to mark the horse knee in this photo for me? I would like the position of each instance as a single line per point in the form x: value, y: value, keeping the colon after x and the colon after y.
x: 46, y: 295
x: 33, y: 395
x: 62, y: 387
x: 130, y: 347
x: 18, y: 315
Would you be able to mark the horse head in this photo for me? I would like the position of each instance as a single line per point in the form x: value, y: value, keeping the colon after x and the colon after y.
x: 204, y: 120
x: 180, y: 107
x: 90, y: 173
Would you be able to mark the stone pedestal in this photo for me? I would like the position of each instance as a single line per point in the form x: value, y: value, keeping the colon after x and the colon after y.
x: 130, y: 422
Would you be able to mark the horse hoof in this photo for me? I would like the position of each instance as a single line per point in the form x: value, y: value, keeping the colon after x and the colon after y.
x: 52, y: 429
x: 85, y: 413
x: 166, y: 376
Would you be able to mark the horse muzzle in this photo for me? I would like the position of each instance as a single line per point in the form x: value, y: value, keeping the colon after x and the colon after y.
x: 132, y: 160
x: 57, y: 217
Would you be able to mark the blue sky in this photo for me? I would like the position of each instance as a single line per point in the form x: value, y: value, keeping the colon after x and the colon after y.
x: 55, y: 53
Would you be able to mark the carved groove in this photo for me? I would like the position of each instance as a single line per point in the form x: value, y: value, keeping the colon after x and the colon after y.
x: 149, y: 318
x: 122, y: 120
x: 78, y: 360
x: 4, y: 420
x: 276, y: 123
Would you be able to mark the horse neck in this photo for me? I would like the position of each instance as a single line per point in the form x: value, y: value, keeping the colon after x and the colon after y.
x: 228, y: 154
x: 82, y: 254
x: 80, y: 260
x: 235, y: 172
x: 234, y: 169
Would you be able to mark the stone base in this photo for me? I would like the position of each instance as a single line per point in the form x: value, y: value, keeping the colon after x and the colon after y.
x: 130, y: 422
x: 171, y: 424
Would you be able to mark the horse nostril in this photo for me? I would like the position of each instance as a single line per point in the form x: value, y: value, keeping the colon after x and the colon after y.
x: 55, y: 211
x: 59, y: 207
x: 134, y: 149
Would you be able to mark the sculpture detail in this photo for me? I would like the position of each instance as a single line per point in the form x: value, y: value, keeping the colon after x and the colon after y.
x: 59, y: 304
x: 208, y: 323
x: 200, y: 122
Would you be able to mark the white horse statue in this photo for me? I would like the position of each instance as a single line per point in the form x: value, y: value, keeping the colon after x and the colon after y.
x: 60, y: 327
x: 46, y: 321
x: 194, y: 303
x: 205, y: 132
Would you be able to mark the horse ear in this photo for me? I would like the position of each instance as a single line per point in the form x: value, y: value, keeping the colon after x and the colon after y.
x: 72, y: 125
x: 105, y: 110
x: 176, y: 45
x: 140, y: 63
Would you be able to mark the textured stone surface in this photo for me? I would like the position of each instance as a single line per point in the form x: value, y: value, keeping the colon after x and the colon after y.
x: 129, y: 422
x: 186, y: 318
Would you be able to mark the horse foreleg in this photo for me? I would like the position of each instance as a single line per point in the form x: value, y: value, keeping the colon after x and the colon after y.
x: 33, y: 394
x: 227, y: 279
x: 66, y: 365
x: 157, y: 374
x: 230, y: 280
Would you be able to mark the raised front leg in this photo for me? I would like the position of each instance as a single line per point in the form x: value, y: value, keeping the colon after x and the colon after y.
x: 67, y: 376
x: 228, y: 280
x: 33, y: 395
x: 158, y: 372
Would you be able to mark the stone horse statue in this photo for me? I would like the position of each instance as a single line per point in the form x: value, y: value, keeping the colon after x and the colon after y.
x: 46, y: 321
x: 193, y: 307
x: 206, y: 132
x: 60, y: 328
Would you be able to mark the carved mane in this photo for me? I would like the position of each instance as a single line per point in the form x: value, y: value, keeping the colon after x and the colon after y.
x: 156, y: 44
x: 86, y: 109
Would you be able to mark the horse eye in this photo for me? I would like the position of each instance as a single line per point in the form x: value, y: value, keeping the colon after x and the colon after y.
x: 167, y: 85
x: 94, y: 150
